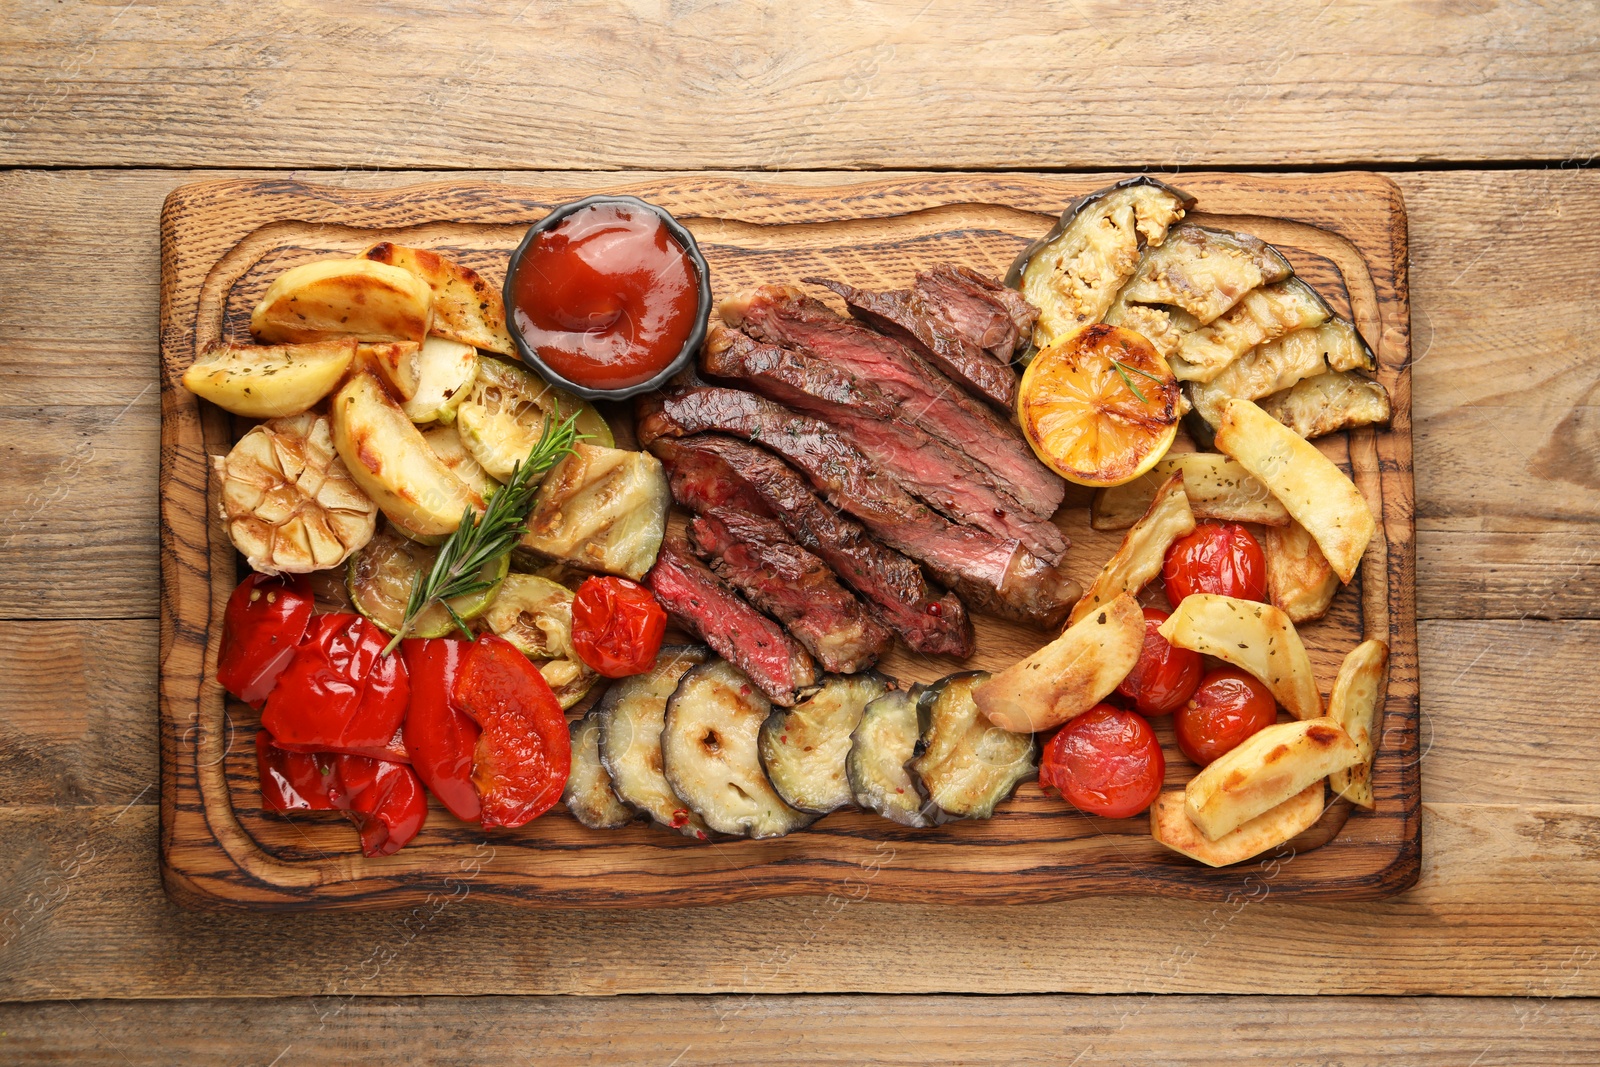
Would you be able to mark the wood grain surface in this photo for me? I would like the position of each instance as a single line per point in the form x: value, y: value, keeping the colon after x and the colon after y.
x: 1510, y: 909
x: 223, y: 243
x: 690, y: 85
x: 766, y: 1031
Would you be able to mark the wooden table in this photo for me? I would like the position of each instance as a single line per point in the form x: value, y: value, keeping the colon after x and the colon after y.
x: 1486, y: 115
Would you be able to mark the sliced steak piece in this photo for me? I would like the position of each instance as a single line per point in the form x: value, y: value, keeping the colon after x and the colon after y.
x: 992, y: 573
x: 701, y: 604
x: 708, y: 471
x: 870, y: 421
x: 904, y: 315
x: 756, y: 556
x: 784, y: 315
x: 996, y: 319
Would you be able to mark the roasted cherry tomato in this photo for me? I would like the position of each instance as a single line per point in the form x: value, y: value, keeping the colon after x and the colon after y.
x: 524, y: 753
x: 340, y: 693
x: 1218, y: 557
x: 1106, y: 762
x: 1165, y: 675
x: 385, y: 800
x: 439, y: 737
x: 1229, y: 706
x: 617, y: 626
x: 265, y: 619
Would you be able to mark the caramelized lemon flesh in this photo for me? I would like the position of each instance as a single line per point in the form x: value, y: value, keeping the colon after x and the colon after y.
x: 1100, y: 407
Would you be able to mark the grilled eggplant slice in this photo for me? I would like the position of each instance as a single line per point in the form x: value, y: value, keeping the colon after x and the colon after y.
x: 1262, y: 315
x: 1073, y: 273
x: 710, y: 753
x: 1328, y: 403
x: 602, y: 509
x: 1204, y: 271
x: 1282, y: 364
x: 589, y: 795
x: 967, y: 765
x: 882, y: 747
x: 535, y: 614
x: 804, y: 747
x: 630, y: 717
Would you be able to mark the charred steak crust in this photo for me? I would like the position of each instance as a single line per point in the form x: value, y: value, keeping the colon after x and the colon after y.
x: 784, y: 315
x: 997, y: 574
x: 709, y: 470
x: 996, y: 319
x: 701, y: 604
x: 924, y: 326
x: 870, y: 421
x: 756, y: 556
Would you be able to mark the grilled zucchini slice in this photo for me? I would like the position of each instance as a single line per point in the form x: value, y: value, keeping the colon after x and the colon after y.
x: 968, y: 765
x: 602, y: 509
x: 504, y: 411
x: 1073, y: 273
x: 804, y: 747
x: 630, y: 717
x: 1204, y: 271
x: 884, y: 743
x: 380, y: 577
x: 589, y: 795
x: 535, y: 614
x: 710, y: 754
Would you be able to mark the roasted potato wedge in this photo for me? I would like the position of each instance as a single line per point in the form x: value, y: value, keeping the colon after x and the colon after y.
x: 1315, y: 492
x: 1328, y: 403
x: 1356, y: 704
x: 1073, y: 273
x: 1217, y: 488
x: 466, y: 307
x: 1170, y: 825
x: 388, y: 458
x: 1204, y: 271
x: 395, y: 363
x: 602, y: 509
x: 1263, y: 772
x: 269, y: 381
x: 1138, y: 559
x: 1263, y: 315
x: 335, y: 298
x: 1300, y: 581
x: 1253, y: 637
x: 446, y: 444
x: 1068, y: 676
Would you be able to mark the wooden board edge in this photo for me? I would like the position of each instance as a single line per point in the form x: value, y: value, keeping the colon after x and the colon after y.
x: 192, y: 887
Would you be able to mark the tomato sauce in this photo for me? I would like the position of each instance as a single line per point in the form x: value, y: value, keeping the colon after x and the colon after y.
x: 606, y: 297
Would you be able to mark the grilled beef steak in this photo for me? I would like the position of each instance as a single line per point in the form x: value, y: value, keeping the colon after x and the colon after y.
x: 995, y: 574
x: 870, y: 421
x: 783, y: 315
x: 926, y: 328
x: 708, y: 471
x: 996, y: 319
x: 756, y: 556
x: 701, y: 604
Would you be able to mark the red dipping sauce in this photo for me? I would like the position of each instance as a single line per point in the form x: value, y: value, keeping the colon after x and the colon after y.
x: 606, y: 296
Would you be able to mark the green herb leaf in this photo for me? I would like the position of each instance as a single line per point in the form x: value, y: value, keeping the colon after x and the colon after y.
x: 1122, y: 372
x: 479, y: 541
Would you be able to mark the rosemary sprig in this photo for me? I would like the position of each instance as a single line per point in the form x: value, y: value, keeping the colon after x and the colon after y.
x: 479, y: 541
x: 1122, y: 372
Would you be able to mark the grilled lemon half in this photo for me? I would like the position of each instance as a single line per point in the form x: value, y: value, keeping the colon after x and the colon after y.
x: 1099, y: 407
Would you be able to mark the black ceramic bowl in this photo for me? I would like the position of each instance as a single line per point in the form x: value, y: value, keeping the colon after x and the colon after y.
x: 696, y: 337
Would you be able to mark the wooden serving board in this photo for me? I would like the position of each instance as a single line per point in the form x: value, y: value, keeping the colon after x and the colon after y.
x: 222, y: 243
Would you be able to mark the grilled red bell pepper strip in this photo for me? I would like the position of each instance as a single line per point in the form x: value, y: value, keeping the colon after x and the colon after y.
x: 441, y: 740
x: 385, y: 800
x: 524, y: 753
x: 263, y: 623
x: 339, y: 692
